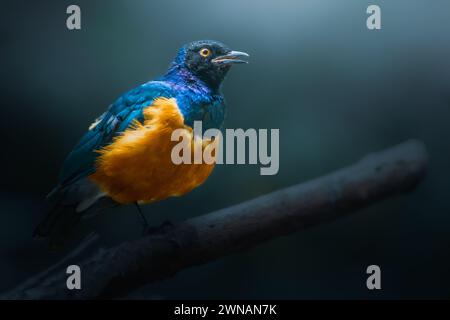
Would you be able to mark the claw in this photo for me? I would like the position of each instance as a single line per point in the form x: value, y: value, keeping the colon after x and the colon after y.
x: 163, y: 228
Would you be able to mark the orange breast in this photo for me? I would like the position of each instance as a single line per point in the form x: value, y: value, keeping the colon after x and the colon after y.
x: 137, y: 165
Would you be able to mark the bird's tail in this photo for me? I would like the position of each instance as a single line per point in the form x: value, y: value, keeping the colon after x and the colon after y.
x: 70, y: 204
x: 58, y: 223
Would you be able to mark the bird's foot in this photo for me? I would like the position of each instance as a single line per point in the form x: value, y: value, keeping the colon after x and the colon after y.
x: 146, y: 230
x: 164, y: 227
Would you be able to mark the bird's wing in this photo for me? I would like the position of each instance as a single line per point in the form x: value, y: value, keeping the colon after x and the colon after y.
x: 126, y: 109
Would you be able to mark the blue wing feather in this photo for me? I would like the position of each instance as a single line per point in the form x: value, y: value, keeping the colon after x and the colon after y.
x: 81, y: 160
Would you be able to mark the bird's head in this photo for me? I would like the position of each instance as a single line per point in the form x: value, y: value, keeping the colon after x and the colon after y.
x: 208, y: 60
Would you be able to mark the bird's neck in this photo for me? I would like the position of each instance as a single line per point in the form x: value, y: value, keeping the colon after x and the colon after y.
x: 181, y: 75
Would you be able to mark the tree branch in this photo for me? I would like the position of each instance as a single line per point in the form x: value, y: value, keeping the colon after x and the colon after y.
x: 115, y: 271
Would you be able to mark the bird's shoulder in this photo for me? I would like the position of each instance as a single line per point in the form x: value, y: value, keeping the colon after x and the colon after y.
x: 196, y: 101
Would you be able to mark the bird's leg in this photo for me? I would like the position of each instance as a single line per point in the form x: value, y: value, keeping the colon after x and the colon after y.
x: 146, y: 228
x: 166, y: 225
x: 145, y: 223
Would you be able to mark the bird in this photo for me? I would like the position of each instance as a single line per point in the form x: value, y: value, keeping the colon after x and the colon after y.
x: 124, y: 158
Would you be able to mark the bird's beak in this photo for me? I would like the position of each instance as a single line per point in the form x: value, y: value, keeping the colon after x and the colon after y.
x: 231, y: 58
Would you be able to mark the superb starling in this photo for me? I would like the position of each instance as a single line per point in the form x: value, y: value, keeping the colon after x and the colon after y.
x: 125, y: 156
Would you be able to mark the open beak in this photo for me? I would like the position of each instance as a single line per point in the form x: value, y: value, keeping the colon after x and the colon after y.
x: 231, y: 58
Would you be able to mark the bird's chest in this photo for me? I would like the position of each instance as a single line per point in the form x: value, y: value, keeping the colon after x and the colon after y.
x: 139, y: 167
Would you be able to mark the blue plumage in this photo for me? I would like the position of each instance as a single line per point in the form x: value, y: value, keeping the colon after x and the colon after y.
x: 196, y: 102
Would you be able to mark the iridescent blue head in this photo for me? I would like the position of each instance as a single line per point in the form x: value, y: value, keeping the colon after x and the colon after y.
x: 206, y: 60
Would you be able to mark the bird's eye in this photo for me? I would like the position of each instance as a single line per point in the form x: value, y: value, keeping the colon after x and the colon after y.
x: 205, y: 52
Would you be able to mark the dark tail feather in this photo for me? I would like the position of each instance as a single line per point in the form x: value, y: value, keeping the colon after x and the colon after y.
x: 58, y: 223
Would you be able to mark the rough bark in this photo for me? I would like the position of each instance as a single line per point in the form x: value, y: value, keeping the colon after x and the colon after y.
x: 115, y: 271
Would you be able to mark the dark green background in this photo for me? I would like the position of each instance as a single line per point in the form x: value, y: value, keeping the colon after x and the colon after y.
x: 334, y: 89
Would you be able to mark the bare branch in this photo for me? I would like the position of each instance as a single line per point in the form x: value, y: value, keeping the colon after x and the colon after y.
x: 115, y: 271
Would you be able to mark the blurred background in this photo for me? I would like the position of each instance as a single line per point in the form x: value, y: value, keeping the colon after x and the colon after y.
x: 334, y: 89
